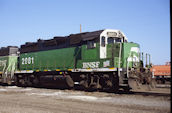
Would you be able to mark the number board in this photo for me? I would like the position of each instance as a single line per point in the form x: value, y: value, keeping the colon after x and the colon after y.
x: 111, y: 34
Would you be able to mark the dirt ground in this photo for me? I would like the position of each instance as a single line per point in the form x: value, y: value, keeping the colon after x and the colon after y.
x: 40, y: 100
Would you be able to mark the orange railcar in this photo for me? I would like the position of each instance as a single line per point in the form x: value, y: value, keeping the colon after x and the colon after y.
x: 162, y: 73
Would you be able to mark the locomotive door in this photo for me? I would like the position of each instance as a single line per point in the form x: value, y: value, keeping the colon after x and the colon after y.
x: 103, y: 51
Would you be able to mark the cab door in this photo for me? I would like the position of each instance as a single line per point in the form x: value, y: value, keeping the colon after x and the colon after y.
x: 103, y: 52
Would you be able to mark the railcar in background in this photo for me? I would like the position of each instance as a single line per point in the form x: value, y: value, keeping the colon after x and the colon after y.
x: 162, y: 73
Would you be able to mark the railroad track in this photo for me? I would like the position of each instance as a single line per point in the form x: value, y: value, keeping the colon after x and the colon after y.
x: 165, y: 92
x: 150, y: 93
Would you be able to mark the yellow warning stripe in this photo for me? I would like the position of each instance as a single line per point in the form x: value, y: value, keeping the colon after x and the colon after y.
x: 37, y: 70
x: 69, y: 69
x: 112, y: 68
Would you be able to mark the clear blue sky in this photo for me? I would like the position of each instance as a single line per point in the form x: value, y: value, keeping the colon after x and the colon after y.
x: 146, y: 22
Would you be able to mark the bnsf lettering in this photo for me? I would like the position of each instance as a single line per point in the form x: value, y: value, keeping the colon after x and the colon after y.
x: 28, y: 60
x: 91, y: 64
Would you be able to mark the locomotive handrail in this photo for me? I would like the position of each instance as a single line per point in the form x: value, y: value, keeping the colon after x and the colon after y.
x: 119, y: 59
x: 127, y: 68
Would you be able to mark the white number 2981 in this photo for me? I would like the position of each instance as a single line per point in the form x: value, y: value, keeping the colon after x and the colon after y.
x: 28, y: 60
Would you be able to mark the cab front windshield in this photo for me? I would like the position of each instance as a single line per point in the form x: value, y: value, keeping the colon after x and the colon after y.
x: 112, y: 40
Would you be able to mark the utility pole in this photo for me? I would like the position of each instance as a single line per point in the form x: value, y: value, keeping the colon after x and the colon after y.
x: 146, y: 59
x: 80, y: 28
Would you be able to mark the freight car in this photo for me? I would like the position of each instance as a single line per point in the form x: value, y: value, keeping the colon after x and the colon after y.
x: 162, y: 73
x: 101, y: 59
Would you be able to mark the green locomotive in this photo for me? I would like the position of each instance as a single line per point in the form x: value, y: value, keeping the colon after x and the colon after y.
x: 101, y: 59
x: 8, y: 63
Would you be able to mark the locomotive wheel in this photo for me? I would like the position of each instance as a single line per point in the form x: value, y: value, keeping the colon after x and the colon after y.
x: 22, y: 83
x: 9, y: 81
x: 29, y: 83
x: 83, y: 82
x: 16, y: 80
x: 36, y: 82
x: 112, y: 83
x: 69, y: 82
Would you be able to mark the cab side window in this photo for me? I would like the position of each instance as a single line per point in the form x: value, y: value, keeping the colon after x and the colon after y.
x: 103, y: 41
x: 90, y: 44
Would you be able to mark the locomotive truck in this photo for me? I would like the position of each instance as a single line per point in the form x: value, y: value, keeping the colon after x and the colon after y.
x: 101, y: 59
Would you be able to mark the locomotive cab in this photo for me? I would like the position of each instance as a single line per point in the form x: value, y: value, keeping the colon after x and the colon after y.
x: 114, y: 45
x: 108, y: 37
